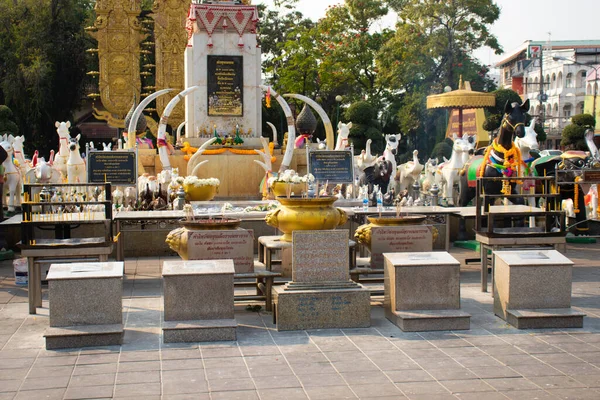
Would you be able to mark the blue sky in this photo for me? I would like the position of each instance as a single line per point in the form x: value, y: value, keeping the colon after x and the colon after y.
x: 520, y: 20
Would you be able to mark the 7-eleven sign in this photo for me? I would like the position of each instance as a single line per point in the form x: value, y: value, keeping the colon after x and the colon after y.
x: 534, y: 50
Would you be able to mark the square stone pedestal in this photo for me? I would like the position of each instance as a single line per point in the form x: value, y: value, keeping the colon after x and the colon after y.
x: 321, y: 294
x: 532, y: 289
x: 422, y: 292
x: 198, y: 301
x: 86, y: 306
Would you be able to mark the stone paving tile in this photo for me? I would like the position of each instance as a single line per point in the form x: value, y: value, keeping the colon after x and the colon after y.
x: 409, y: 375
x: 138, y: 377
x: 54, y: 382
x: 480, y: 396
x: 478, y: 361
x: 266, y: 370
x: 580, y: 394
x: 8, y: 395
x: 452, y: 374
x: 414, y: 388
x: 321, y: 380
x: 139, y: 366
x: 231, y: 384
x: 536, y: 370
x: 376, y: 390
x: 510, y: 384
x: 275, y: 382
x: 495, y: 372
x: 98, y: 358
x: 529, y: 395
x: 138, y: 390
x: 365, y: 377
x: 89, y: 392
x: 46, y: 394
x: 50, y: 371
x: 17, y: 373
x: 313, y: 368
x: 170, y: 365
x: 278, y: 394
x: 227, y: 372
x: 237, y: 395
x: 330, y: 392
x: 95, y: 369
x: 92, y: 380
x: 556, y: 382
x: 11, y: 385
x: 55, y: 361
x: 130, y: 356
x: 466, y: 385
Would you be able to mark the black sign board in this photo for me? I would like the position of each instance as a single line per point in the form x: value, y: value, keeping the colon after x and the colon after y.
x: 335, y: 166
x: 116, y: 167
x: 225, y: 86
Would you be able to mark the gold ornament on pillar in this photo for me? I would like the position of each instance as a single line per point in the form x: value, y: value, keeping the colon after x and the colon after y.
x: 119, y: 34
x: 170, y: 41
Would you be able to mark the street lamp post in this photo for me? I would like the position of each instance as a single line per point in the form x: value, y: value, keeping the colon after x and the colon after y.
x: 338, y: 100
x: 595, y: 68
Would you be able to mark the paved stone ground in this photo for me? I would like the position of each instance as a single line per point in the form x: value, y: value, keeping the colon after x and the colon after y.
x: 491, y: 361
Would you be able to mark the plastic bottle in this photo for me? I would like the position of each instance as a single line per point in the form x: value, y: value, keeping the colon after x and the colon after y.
x: 365, y: 202
x: 379, y: 201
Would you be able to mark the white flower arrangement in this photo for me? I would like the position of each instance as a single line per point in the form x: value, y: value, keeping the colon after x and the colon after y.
x: 193, y: 180
x: 291, y: 176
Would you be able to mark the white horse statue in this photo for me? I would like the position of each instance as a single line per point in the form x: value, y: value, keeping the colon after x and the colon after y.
x: 389, y: 154
x: 448, y: 171
x: 62, y: 128
x: 13, y: 182
x: 24, y: 165
x: 44, y: 172
x: 409, y: 172
x: 76, y: 171
x: 343, y: 132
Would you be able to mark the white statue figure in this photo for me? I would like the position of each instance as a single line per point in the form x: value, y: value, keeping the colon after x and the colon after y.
x: 13, y: 181
x: 60, y: 162
x: 343, y: 132
x: 409, y: 172
x: 24, y: 165
x: 389, y: 154
x: 44, y: 172
x: 429, y: 178
x: 76, y: 171
x: 448, y: 171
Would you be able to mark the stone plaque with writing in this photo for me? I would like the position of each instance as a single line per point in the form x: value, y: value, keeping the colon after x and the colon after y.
x: 218, y: 245
x: 116, y: 167
x: 392, y: 239
x: 320, y: 256
x: 335, y: 166
x: 225, y: 86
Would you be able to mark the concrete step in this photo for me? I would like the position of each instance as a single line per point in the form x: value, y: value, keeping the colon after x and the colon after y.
x: 66, y: 337
x: 430, y: 320
x: 199, y: 330
x: 545, y: 318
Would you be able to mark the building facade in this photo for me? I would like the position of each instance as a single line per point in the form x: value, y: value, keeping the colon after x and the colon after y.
x: 555, y: 77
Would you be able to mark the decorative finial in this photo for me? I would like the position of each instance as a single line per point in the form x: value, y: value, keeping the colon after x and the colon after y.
x: 461, y: 85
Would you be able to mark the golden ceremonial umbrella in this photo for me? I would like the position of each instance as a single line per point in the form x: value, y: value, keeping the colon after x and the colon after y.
x: 461, y: 99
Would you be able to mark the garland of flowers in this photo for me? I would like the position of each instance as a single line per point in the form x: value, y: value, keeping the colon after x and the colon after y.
x: 511, y: 166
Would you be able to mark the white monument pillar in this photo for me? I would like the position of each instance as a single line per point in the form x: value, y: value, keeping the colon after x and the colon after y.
x: 223, y: 58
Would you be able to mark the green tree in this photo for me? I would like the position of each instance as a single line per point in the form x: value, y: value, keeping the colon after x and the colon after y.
x: 495, y: 114
x: 573, y: 134
x: 348, y: 46
x: 429, y: 50
x: 364, y: 127
x: 7, y: 125
x: 42, y: 64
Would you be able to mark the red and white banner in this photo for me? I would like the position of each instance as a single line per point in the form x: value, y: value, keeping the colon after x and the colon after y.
x: 209, y: 17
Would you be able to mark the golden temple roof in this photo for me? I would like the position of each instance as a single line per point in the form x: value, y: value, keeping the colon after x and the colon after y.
x: 463, y: 98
